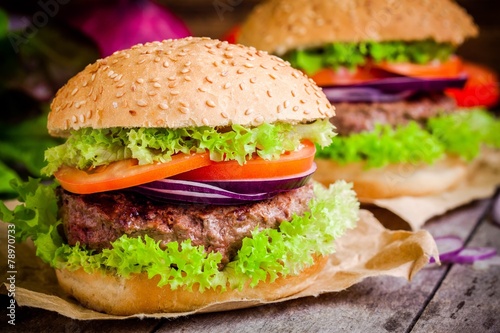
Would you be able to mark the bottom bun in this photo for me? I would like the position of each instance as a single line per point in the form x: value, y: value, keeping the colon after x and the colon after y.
x: 394, y: 180
x: 138, y: 294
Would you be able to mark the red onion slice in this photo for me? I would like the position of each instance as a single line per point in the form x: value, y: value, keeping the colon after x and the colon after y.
x: 362, y: 94
x: 448, y: 247
x: 221, y: 192
x: 390, y: 89
x: 470, y: 255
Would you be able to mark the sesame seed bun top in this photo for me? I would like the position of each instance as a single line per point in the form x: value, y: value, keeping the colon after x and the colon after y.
x: 186, y: 82
x: 278, y: 26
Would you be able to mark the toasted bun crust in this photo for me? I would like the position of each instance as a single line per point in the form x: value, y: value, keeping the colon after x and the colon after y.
x: 138, y: 294
x: 277, y: 26
x: 186, y: 82
x: 394, y: 180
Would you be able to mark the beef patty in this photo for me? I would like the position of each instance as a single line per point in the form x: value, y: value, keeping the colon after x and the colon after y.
x: 95, y: 220
x: 359, y: 117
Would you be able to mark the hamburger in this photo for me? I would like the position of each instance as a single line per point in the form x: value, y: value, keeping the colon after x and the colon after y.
x: 184, y: 180
x: 387, y: 66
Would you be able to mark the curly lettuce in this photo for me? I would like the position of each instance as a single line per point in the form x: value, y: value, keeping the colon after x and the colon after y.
x: 352, y: 55
x: 264, y: 256
x: 460, y: 133
x: 89, y: 147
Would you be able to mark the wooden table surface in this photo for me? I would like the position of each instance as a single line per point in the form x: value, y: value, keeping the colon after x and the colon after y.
x: 449, y: 298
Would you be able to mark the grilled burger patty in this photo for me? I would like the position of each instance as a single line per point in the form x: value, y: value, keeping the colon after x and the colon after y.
x: 96, y: 220
x: 359, y: 117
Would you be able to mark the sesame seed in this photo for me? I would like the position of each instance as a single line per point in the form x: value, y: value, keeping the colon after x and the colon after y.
x: 286, y: 104
x: 172, y: 78
x: 110, y: 73
x: 202, y: 89
x: 157, y: 59
x: 121, y: 84
x: 140, y: 80
x: 253, y: 79
x: 184, y: 109
x: 92, y: 78
x: 188, y: 78
x: 166, y: 64
x: 248, y: 111
x: 278, y: 108
x: 209, y: 79
x: 302, y: 101
x: 295, y: 108
x: 172, y: 84
x: 258, y: 120
x: 156, y: 79
x: 174, y: 93
x: 141, y: 61
x: 184, y: 104
x: 142, y: 102
x: 224, y: 62
x: 120, y: 94
x: 74, y: 92
x: 210, y: 103
x: 240, y: 71
x: 84, y: 84
x: 224, y: 74
x: 205, y: 121
x: 272, y: 76
x: 242, y: 87
x: 248, y: 65
x: 73, y: 119
x: 118, y: 78
x: 115, y: 105
x: 264, y: 66
x: 132, y: 112
x: 163, y: 106
x: 306, y: 112
x: 227, y: 85
x: 185, y: 70
x: 224, y: 115
x: 132, y: 87
x: 293, y: 93
x: 156, y: 85
x: 269, y: 93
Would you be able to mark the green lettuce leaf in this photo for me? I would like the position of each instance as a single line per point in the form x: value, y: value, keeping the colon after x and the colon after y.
x: 351, y: 55
x: 267, y: 254
x: 461, y: 133
x: 91, y: 147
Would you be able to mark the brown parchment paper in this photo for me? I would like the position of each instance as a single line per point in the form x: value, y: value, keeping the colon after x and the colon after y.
x: 482, y: 182
x: 366, y: 251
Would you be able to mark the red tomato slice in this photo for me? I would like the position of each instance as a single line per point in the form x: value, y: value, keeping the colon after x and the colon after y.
x: 231, y: 36
x: 481, y: 89
x: 288, y: 164
x: 453, y: 67
x: 126, y: 173
x: 342, y: 76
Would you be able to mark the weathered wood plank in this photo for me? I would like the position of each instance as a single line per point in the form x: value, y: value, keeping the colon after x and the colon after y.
x: 468, y: 299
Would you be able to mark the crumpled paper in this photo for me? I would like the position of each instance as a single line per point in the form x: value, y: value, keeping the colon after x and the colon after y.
x: 365, y: 251
x: 482, y: 182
